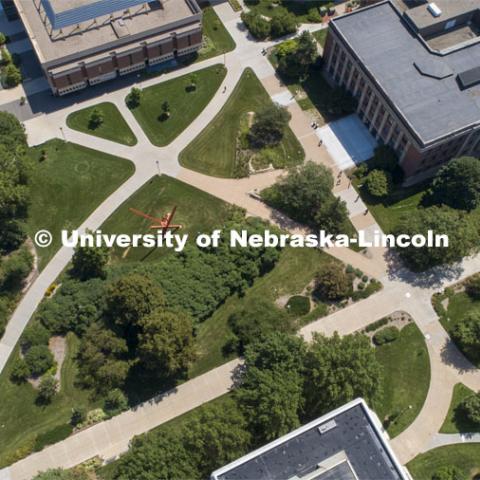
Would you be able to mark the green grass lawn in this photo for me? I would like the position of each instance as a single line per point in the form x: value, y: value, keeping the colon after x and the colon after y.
x: 456, y: 422
x: 217, y: 39
x: 466, y: 457
x: 388, y: 211
x: 293, y: 272
x: 313, y: 92
x: 459, y: 306
x: 270, y: 9
x: 197, y: 211
x: 22, y: 419
x: 114, y: 126
x: 67, y: 186
x: 185, y: 104
x: 406, y: 379
x: 321, y: 36
x: 214, y: 154
x: 400, y: 202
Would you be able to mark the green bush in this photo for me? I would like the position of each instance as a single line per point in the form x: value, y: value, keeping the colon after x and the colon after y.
x: 12, y: 77
x: 56, y: 434
x: 314, y: 16
x: 283, y: 24
x: 15, y: 269
x: 20, y: 371
x: 376, y: 325
x: 39, y: 359
x: 257, y: 320
x: 47, y: 389
x: 471, y: 408
x: 79, y: 414
x: 332, y: 283
x: 472, y: 287
x: 75, y: 306
x: 257, y: 25
x: 448, y: 473
x: 378, y: 183
x: 298, y: 305
x: 115, y: 402
x: 6, y: 56
x: 361, y: 170
x: 386, y: 335
x: 4, y: 314
x: 134, y: 98
x: 34, y: 334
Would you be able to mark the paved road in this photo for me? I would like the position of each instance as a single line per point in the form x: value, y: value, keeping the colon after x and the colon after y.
x: 402, y: 290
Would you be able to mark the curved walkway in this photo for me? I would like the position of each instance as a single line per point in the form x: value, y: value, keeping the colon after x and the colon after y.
x: 444, y: 439
x: 402, y: 290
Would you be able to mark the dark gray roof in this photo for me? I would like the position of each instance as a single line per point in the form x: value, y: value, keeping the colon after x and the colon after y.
x: 341, y: 471
x: 299, y: 454
x: 384, y: 43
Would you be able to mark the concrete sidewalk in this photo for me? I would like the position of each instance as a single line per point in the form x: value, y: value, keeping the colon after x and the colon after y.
x: 111, y: 438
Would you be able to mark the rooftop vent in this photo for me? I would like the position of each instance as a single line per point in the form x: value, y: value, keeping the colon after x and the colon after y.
x: 327, y: 427
x: 469, y: 78
x: 434, y: 10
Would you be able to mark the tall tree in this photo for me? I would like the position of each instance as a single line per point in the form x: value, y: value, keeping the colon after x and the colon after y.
x: 269, y: 126
x: 276, y: 350
x: 339, y: 369
x: 166, y: 342
x: 132, y: 297
x: 102, y: 359
x: 457, y: 184
x: 90, y: 262
x: 216, y: 436
x: 461, y: 231
x: 257, y: 320
x: 158, y: 455
x: 271, y: 400
x: 270, y: 394
x: 297, y: 62
x: 332, y: 283
x: 305, y: 195
x: 467, y: 333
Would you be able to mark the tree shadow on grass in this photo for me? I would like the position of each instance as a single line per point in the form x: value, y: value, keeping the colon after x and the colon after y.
x: 142, y: 385
x: 463, y: 424
x: 452, y: 356
x: 432, y: 278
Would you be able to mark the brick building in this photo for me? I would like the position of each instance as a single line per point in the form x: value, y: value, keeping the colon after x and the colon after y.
x: 85, y: 42
x: 416, y: 76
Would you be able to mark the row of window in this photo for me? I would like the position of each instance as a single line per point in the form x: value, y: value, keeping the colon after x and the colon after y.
x: 122, y: 71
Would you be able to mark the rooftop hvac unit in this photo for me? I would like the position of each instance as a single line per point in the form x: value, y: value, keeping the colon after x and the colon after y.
x: 434, y: 10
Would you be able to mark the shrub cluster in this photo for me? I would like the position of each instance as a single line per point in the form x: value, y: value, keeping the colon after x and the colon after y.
x: 386, y: 335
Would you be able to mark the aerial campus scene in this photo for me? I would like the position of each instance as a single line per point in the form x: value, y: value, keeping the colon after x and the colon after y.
x: 240, y: 239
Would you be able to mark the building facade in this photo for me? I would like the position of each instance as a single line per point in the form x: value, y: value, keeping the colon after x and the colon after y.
x: 406, y: 70
x: 85, y: 42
